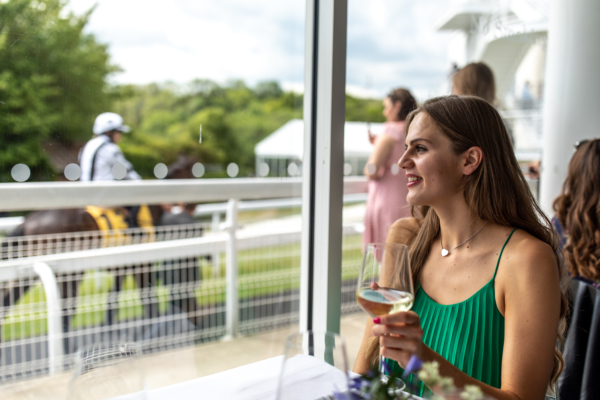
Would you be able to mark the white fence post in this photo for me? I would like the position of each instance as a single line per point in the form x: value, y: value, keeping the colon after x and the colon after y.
x: 54, y: 316
x: 232, y: 301
x: 216, y: 257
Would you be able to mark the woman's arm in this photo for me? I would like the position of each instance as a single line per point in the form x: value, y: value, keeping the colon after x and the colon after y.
x: 528, y: 284
x: 381, y: 152
x: 402, y: 231
x: 532, y: 297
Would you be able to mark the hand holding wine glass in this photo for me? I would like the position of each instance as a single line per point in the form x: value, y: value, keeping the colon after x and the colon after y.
x: 385, y: 283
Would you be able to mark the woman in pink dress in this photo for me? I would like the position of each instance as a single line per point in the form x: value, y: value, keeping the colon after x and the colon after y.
x: 386, y: 201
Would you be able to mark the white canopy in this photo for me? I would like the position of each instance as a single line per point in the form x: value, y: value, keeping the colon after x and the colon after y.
x: 288, y: 141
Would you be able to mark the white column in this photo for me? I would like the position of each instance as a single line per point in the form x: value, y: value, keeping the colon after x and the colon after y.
x: 572, y: 93
x: 323, y: 164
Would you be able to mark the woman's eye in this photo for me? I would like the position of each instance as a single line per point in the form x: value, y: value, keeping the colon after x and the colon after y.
x: 420, y: 149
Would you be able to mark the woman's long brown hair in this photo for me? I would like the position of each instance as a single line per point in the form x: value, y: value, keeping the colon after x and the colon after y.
x: 496, y: 191
x: 475, y: 79
x: 578, y: 211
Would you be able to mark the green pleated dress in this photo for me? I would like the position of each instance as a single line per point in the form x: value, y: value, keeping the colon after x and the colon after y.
x: 469, y: 334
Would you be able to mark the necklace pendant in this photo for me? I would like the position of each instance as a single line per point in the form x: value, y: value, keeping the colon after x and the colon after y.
x: 445, y: 252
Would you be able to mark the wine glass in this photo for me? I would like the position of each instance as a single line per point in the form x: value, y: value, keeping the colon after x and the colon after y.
x: 314, y: 367
x: 385, y: 283
x: 106, y: 371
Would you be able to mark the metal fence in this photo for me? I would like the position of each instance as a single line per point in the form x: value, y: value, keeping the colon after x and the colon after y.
x: 178, y: 288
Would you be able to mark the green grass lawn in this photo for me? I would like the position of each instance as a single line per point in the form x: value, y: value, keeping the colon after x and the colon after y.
x: 262, y: 271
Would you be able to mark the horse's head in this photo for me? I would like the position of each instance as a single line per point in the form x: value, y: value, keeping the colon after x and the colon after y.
x: 182, y: 168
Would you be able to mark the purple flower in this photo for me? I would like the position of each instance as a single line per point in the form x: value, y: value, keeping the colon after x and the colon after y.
x: 356, y: 383
x: 342, y: 396
x: 414, y: 364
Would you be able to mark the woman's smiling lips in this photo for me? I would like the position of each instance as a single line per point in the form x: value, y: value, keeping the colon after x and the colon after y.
x: 413, y: 180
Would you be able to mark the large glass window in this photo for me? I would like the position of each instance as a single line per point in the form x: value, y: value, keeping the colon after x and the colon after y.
x: 175, y: 221
x: 179, y: 236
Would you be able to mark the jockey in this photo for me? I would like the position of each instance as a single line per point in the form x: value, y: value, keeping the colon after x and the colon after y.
x: 101, y: 153
x: 97, y: 160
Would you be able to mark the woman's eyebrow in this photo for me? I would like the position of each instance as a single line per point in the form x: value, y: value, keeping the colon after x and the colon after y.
x: 419, y: 140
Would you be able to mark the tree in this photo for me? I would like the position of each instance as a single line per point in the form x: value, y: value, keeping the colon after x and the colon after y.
x: 166, y: 121
x: 52, y: 82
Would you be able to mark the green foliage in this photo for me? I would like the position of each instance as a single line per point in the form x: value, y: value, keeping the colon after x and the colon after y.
x: 364, y: 110
x: 52, y: 81
x: 166, y: 121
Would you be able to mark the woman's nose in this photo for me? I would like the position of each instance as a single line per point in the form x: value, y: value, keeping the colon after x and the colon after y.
x: 405, y: 162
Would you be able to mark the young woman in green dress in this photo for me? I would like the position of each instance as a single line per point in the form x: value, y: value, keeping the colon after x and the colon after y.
x: 488, y: 300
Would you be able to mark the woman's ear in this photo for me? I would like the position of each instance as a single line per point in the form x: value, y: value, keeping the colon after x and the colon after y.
x: 472, y: 159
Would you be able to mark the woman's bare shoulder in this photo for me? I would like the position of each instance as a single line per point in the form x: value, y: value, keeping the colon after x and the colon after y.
x: 404, y: 230
x: 529, y: 259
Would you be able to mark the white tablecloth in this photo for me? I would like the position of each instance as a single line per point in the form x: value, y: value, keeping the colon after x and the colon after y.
x: 251, y: 382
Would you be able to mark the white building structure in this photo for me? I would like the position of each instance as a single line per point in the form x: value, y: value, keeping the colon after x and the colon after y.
x: 513, y: 37
x: 510, y: 37
x: 281, y: 153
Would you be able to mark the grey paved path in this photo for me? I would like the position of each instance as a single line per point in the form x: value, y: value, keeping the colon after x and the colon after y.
x: 180, y: 365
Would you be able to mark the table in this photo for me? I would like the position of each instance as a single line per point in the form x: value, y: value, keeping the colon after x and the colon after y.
x: 256, y: 381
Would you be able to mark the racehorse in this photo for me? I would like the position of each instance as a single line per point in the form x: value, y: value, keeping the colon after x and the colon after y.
x: 46, y: 222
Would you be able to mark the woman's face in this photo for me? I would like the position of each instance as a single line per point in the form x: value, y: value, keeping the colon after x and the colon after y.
x: 435, y: 173
x: 391, y: 109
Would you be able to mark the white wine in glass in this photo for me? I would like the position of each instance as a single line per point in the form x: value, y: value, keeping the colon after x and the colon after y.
x: 385, y: 283
x: 382, y: 301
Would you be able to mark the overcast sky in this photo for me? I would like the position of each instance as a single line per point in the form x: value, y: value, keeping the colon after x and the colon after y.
x: 390, y: 42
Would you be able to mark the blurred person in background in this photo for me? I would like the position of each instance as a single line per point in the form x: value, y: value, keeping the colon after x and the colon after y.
x: 386, y: 200
x: 577, y: 211
x: 475, y: 79
x: 101, y: 159
x: 101, y: 153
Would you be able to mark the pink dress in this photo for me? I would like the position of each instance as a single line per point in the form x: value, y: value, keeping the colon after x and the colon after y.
x: 386, y: 201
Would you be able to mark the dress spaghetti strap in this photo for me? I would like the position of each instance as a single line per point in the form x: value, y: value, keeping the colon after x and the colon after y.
x: 502, y: 251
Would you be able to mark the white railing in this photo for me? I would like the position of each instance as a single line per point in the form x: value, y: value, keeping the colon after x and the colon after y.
x: 52, y: 195
x: 54, y: 270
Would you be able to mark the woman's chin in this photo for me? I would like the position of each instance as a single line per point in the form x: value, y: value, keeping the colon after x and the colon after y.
x: 414, y: 201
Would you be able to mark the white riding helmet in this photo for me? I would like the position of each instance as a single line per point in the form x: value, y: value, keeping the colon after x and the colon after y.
x: 108, y: 122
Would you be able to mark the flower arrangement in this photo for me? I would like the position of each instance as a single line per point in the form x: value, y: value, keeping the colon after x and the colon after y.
x: 372, y: 387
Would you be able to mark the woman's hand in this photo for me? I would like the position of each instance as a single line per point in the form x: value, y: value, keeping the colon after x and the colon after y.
x: 372, y: 137
x: 383, y: 148
x: 400, y: 336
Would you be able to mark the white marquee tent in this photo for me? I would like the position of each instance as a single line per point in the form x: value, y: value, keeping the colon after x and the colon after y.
x: 285, y: 146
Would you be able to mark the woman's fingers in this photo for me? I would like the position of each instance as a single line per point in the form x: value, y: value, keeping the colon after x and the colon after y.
x: 399, y: 343
x: 406, y: 330
x: 406, y: 317
x: 402, y: 323
x: 401, y: 356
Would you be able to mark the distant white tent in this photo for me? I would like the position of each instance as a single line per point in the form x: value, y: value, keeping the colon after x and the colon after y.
x: 285, y: 146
